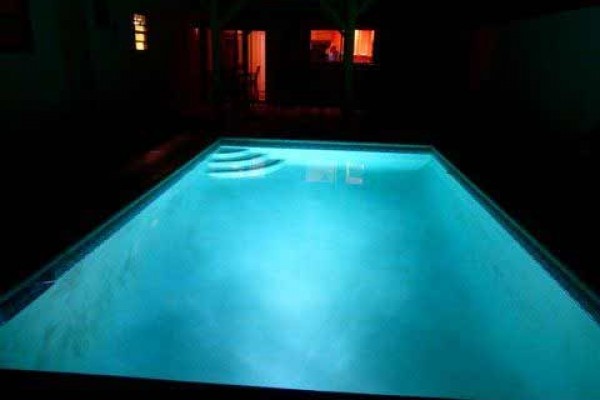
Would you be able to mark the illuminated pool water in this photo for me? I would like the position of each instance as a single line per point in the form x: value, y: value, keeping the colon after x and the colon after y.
x: 366, y: 269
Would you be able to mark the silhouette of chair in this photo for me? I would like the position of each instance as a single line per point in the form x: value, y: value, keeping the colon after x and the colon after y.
x: 253, y: 84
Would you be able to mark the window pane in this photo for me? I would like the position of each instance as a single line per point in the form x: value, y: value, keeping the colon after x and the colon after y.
x: 139, y: 19
x: 326, y: 46
x: 139, y: 28
x: 363, y: 46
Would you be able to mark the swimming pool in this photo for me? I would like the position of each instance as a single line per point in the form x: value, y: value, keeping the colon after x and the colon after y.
x: 337, y: 267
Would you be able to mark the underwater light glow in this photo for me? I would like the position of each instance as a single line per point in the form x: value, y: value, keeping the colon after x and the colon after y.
x: 329, y: 267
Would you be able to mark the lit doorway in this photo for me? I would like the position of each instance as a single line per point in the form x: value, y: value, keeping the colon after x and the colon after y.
x: 243, y: 56
x: 256, y: 64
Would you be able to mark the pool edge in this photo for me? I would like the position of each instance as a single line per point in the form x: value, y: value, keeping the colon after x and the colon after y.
x: 32, y: 287
x: 558, y: 270
x: 16, y: 299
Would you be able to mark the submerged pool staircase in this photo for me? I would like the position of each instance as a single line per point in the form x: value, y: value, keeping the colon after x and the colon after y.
x: 237, y: 162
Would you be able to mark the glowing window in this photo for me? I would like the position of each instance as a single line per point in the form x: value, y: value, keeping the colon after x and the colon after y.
x: 328, y: 46
x: 141, y: 34
x: 363, y: 46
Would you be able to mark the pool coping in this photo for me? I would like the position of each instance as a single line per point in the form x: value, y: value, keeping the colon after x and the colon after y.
x: 38, y: 381
x: 582, y: 294
x: 23, y: 294
x: 15, y: 300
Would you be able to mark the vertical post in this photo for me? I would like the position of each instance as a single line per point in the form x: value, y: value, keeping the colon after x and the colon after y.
x: 215, y: 28
x: 246, y: 65
x: 345, y: 15
x: 348, y: 62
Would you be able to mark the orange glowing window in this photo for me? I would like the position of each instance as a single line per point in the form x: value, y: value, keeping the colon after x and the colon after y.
x: 140, y: 31
x: 328, y: 46
x: 363, y: 46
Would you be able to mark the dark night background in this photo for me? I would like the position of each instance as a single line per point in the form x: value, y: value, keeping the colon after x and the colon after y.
x: 509, y: 91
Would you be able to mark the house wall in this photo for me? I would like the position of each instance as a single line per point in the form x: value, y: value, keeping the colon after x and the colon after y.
x: 82, y: 79
x: 135, y: 86
x: 32, y: 81
x: 542, y: 72
x: 526, y: 134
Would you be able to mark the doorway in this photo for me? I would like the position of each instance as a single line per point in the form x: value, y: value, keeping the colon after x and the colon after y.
x: 243, y: 58
x: 256, y: 64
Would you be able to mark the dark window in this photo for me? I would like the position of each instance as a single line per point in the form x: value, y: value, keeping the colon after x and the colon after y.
x: 15, y: 30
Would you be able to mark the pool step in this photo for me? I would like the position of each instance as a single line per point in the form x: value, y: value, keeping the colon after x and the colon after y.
x: 229, y: 153
x: 233, y: 162
x: 244, y: 161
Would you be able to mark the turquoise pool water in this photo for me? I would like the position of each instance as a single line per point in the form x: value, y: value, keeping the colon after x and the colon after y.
x: 364, y: 269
